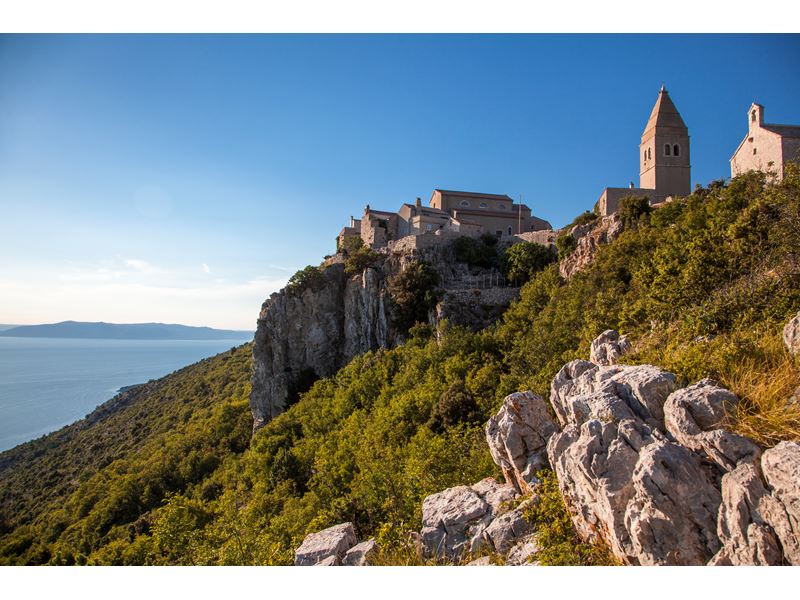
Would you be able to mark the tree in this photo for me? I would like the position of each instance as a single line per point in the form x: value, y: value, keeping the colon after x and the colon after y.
x: 521, y: 261
x: 477, y: 253
x: 566, y: 245
x: 414, y: 293
x: 457, y: 405
x: 360, y: 259
x: 309, y: 277
x: 633, y: 210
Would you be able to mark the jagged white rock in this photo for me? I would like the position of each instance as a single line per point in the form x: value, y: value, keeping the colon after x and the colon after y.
x: 791, y: 334
x: 517, y: 436
x: 361, y: 554
x: 454, y: 520
x: 327, y: 547
x: 693, y: 415
x: 608, y: 347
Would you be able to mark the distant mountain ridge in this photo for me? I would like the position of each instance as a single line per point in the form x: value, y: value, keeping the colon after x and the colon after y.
x: 124, y: 331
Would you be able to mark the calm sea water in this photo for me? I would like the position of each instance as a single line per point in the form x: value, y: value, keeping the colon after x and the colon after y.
x: 48, y: 383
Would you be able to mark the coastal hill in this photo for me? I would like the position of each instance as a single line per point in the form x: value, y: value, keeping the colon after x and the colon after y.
x: 124, y: 331
x: 643, y: 460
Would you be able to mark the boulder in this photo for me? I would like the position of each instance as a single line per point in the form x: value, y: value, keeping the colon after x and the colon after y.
x: 361, y: 554
x: 327, y: 547
x: 746, y: 537
x: 791, y: 335
x: 506, y: 529
x: 608, y: 347
x: 672, y: 517
x: 693, y: 415
x: 454, y: 520
x: 483, y: 561
x: 517, y: 436
x: 523, y: 551
x: 641, y: 388
x: 781, y: 468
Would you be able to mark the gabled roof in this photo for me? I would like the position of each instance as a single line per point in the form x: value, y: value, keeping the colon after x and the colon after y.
x: 664, y: 113
x: 474, y: 194
x: 792, y: 131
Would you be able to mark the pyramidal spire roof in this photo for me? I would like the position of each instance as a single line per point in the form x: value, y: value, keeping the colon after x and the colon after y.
x: 664, y: 113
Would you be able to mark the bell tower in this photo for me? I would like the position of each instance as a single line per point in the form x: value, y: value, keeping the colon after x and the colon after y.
x: 664, y: 152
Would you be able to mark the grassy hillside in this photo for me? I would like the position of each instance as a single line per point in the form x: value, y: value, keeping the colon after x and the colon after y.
x: 703, y: 286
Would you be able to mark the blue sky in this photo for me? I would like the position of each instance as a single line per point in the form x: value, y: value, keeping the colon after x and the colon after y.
x: 184, y: 178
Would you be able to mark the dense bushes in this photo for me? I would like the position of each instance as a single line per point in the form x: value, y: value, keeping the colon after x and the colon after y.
x: 632, y: 210
x: 480, y: 252
x: 522, y: 261
x: 414, y: 293
x: 310, y: 277
x: 359, y: 259
x: 565, y: 244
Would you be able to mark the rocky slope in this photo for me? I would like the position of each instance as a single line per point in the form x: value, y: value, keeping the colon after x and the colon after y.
x: 645, y: 467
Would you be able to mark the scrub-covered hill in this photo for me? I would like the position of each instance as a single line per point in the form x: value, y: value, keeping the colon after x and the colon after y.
x: 701, y: 286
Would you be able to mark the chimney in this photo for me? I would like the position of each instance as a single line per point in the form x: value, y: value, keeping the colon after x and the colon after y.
x: 631, y: 185
x: 419, y: 202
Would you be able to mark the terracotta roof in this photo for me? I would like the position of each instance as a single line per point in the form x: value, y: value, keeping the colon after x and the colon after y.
x: 792, y: 131
x: 664, y: 113
x: 474, y: 194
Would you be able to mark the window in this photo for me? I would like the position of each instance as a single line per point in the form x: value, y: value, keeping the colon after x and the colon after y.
x: 465, y: 203
x: 484, y: 205
x: 428, y: 227
x: 753, y: 116
x: 501, y: 206
x: 676, y: 150
x: 645, y: 155
x: 649, y: 154
x: 754, y: 150
x: 666, y: 149
x: 509, y: 230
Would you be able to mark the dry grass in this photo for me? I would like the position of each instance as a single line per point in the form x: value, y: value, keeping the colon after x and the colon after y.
x: 765, y: 384
x: 754, y: 365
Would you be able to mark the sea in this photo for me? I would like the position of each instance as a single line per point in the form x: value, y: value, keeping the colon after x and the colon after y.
x: 46, y: 383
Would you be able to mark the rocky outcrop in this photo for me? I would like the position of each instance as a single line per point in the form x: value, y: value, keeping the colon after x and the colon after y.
x: 651, y: 471
x: 455, y: 521
x: 517, y: 436
x: 694, y: 414
x: 475, y: 309
x: 327, y: 547
x: 361, y: 554
x: 791, y: 335
x: 588, y: 239
x: 608, y: 347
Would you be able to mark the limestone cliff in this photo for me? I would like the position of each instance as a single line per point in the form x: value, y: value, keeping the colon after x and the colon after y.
x: 304, y: 335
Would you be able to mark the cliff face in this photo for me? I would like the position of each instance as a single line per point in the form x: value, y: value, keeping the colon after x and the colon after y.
x: 301, y: 337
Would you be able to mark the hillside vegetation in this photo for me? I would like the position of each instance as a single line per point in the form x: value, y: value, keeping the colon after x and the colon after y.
x: 702, y: 286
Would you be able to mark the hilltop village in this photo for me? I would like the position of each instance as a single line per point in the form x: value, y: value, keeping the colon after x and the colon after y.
x: 664, y: 174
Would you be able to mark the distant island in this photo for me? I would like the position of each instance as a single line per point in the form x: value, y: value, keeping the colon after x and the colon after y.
x: 126, y: 331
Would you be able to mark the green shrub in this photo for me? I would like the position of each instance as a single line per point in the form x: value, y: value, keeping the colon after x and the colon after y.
x: 414, y: 294
x: 634, y: 210
x: 583, y: 219
x: 454, y: 407
x: 556, y: 537
x: 351, y: 244
x: 565, y: 244
x: 521, y: 261
x: 359, y: 259
x: 309, y: 277
x: 476, y: 252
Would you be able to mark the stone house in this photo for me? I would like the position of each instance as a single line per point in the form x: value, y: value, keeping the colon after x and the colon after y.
x: 766, y: 147
x: 664, y: 166
x: 465, y: 213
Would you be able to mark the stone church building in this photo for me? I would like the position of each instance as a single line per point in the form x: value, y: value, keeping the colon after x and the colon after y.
x: 664, y: 166
x: 766, y: 147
